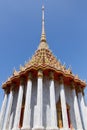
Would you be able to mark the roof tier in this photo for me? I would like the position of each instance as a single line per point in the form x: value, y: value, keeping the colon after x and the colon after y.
x: 45, y: 60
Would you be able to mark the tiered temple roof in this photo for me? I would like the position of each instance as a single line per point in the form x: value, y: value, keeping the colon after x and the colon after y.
x: 45, y: 60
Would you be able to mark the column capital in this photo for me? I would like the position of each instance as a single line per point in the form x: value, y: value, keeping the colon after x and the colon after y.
x: 79, y: 89
x: 22, y: 81
x: 51, y: 75
x: 12, y: 87
x: 6, y: 91
x: 40, y: 73
x: 72, y: 85
x: 29, y: 76
x: 61, y: 80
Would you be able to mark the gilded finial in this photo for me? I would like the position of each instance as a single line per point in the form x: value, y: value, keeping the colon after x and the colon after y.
x: 43, y: 36
x: 43, y: 43
x: 43, y: 31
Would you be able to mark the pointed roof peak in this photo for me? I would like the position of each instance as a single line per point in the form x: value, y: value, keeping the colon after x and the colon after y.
x: 43, y: 44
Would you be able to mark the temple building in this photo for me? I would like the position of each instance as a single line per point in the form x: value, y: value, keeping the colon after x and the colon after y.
x: 43, y: 95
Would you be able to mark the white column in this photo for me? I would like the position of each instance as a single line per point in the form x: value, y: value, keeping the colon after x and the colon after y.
x: 8, y: 111
x: 84, y: 101
x: 19, y: 105
x: 83, y: 95
x: 40, y: 97
x: 38, y: 110
x: 63, y: 105
x: 53, y: 103
x: 27, y: 112
x: 10, y: 122
x: 3, y: 109
x: 82, y: 108
x: 76, y: 109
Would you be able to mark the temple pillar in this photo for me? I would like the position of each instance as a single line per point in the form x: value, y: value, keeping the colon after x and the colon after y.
x: 82, y: 107
x: 63, y: 105
x: 3, y: 109
x: 10, y: 122
x: 84, y: 99
x: 38, y: 111
x: 27, y: 112
x: 53, y: 103
x: 19, y: 104
x: 76, y: 108
x: 8, y: 111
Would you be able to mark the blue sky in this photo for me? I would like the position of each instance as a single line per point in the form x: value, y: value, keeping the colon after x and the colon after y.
x: 20, y: 30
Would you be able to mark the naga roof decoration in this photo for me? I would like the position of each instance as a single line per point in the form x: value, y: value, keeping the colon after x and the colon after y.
x: 44, y: 59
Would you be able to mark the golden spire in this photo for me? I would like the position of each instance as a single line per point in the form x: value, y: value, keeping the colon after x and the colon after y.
x: 43, y: 44
x: 43, y: 36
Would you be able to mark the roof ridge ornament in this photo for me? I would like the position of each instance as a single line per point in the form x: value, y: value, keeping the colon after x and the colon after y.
x: 43, y: 43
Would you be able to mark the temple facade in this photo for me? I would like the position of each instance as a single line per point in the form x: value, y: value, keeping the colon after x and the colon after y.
x: 43, y: 95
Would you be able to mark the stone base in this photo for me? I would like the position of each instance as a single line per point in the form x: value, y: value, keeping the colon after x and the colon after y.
x: 42, y: 128
x: 75, y: 129
x: 16, y: 129
x: 38, y: 128
x: 65, y: 129
x: 26, y: 128
x: 69, y: 129
x: 52, y: 128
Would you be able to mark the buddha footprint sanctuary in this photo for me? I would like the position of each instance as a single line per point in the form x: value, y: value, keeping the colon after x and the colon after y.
x: 43, y: 94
